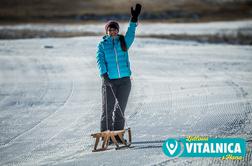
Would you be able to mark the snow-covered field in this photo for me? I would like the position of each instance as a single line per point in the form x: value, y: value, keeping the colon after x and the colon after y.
x: 50, y: 100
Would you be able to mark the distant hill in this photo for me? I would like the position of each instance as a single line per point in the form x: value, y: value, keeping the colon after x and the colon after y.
x: 177, y: 10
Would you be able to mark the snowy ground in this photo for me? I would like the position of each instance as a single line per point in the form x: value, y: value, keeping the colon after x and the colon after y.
x: 50, y: 100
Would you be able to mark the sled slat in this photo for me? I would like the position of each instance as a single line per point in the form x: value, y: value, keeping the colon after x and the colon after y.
x: 121, y: 138
x: 114, y: 140
x: 129, y: 132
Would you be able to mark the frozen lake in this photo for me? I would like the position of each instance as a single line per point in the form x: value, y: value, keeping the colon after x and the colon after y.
x: 50, y: 100
x: 145, y: 28
x: 232, y: 32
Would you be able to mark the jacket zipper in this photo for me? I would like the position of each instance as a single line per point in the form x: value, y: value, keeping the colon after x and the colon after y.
x: 118, y: 69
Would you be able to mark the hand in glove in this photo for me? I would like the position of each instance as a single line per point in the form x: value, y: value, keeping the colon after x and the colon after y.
x: 106, y: 79
x: 135, y: 13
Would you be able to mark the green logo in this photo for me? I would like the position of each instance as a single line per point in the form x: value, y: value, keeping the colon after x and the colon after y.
x: 171, y: 147
x: 196, y: 146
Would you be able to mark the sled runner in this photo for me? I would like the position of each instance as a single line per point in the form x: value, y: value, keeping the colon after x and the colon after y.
x: 108, y: 135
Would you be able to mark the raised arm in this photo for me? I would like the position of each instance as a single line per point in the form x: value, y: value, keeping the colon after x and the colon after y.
x: 130, y: 34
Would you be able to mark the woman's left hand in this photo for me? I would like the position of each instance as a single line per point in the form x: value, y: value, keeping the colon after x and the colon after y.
x: 135, y: 13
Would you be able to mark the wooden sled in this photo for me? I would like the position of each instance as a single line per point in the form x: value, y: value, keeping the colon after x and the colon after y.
x: 107, y: 135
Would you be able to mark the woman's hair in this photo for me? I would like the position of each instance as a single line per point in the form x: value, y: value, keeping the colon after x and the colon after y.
x: 123, y: 43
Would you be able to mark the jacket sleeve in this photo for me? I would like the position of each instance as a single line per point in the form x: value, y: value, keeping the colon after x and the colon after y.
x: 100, y: 59
x: 130, y: 34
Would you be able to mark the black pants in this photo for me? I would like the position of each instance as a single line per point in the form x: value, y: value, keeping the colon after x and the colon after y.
x: 112, y: 118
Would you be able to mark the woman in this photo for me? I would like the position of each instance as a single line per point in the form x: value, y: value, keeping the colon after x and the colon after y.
x: 114, y: 67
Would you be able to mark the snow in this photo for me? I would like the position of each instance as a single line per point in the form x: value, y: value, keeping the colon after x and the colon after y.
x: 50, y: 100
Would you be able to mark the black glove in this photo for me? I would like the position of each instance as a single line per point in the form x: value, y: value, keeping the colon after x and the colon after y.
x: 135, y: 13
x: 106, y: 79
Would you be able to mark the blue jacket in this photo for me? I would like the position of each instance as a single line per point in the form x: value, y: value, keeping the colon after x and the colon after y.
x: 111, y: 59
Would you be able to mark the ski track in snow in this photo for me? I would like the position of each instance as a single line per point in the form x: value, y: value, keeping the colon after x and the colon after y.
x: 50, y: 100
x: 40, y: 99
